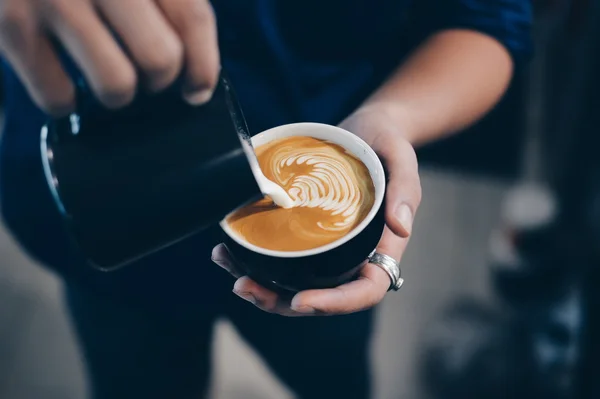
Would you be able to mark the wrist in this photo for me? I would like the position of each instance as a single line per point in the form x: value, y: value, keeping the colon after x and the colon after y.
x: 388, y: 117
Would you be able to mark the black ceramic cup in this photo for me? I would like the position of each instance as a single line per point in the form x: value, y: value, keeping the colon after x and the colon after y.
x: 329, y: 265
x: 133, y: 181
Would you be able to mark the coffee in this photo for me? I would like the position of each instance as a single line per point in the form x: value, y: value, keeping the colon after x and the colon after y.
x: 332, y: 192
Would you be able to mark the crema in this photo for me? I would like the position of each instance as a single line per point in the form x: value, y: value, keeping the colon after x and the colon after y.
x: 332, y: 192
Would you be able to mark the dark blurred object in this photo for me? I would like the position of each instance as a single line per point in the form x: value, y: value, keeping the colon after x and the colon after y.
x: 545, y: 267
x: 1, y: 89
x: 539, y: 267
x: 577, y: 181
x: 542, y: 291
x: 479, y: 352
x: 474, y: 352
x: 530, y: 346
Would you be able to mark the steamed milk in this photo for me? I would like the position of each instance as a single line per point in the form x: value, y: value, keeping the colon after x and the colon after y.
x: 277, y: 193
x: 327, y: 192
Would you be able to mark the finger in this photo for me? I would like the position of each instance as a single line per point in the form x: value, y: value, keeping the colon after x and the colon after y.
x: 194, y: 20
x: 108, y: 71
x: 363, y: 293
x: 220, y: 256
x: 262, y: 298
x: 33, y: 58
x: 245, y: 288
x: 392, y: 245
x: 150, y: 40
x: 404, y: 186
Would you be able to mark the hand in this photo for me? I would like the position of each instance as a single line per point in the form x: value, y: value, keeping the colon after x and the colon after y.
x: 160, y: 39
x: 403, y: 198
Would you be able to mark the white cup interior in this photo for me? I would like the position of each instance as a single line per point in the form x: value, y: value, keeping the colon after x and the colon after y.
x: 354, y: 145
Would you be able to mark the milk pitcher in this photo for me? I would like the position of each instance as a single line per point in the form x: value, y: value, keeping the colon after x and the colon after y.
x: 132, y: 181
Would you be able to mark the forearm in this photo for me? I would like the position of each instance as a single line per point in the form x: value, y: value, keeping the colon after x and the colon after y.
x: 450, y: 81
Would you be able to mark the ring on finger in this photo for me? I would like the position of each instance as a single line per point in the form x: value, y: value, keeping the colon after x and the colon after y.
x: 391, y: 266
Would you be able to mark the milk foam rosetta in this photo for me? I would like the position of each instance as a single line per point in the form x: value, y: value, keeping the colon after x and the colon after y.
x: 332, y: 192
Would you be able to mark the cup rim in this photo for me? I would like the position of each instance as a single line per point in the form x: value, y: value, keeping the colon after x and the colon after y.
x: 375, y: 168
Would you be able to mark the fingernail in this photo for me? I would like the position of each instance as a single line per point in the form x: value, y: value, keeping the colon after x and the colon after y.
x: 405, y: 217
x: 198, y: 97
x: 246, y: 296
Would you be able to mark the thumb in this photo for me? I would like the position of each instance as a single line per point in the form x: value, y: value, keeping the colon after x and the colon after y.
x: 403, y: 194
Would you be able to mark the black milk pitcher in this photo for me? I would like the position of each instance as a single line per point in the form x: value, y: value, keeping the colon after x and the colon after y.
x: 132, y: 181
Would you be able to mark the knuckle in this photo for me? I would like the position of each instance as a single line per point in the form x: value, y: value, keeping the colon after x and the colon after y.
x: 119, y: 90
x: 164, y: 66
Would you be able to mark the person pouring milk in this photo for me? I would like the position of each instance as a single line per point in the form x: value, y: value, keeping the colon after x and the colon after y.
x: 145, y: 330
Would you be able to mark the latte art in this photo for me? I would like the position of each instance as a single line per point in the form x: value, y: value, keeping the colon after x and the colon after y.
x: 331, y: 189
x: 327, y: 184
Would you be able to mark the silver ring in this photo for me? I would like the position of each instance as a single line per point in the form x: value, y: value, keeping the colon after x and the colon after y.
x: 391, y: 266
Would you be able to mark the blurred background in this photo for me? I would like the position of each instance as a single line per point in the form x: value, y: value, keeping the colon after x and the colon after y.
x: 498, y: 295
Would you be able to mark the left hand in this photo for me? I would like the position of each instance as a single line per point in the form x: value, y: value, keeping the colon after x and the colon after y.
x: 403, y: 198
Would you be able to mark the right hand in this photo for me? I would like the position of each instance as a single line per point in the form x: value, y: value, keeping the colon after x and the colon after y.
x: 160, y: 39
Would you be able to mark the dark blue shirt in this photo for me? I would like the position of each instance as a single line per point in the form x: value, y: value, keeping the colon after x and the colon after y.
x: 309, y: 60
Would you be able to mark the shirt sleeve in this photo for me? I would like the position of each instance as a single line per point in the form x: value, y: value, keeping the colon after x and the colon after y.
x: 508, y: 21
